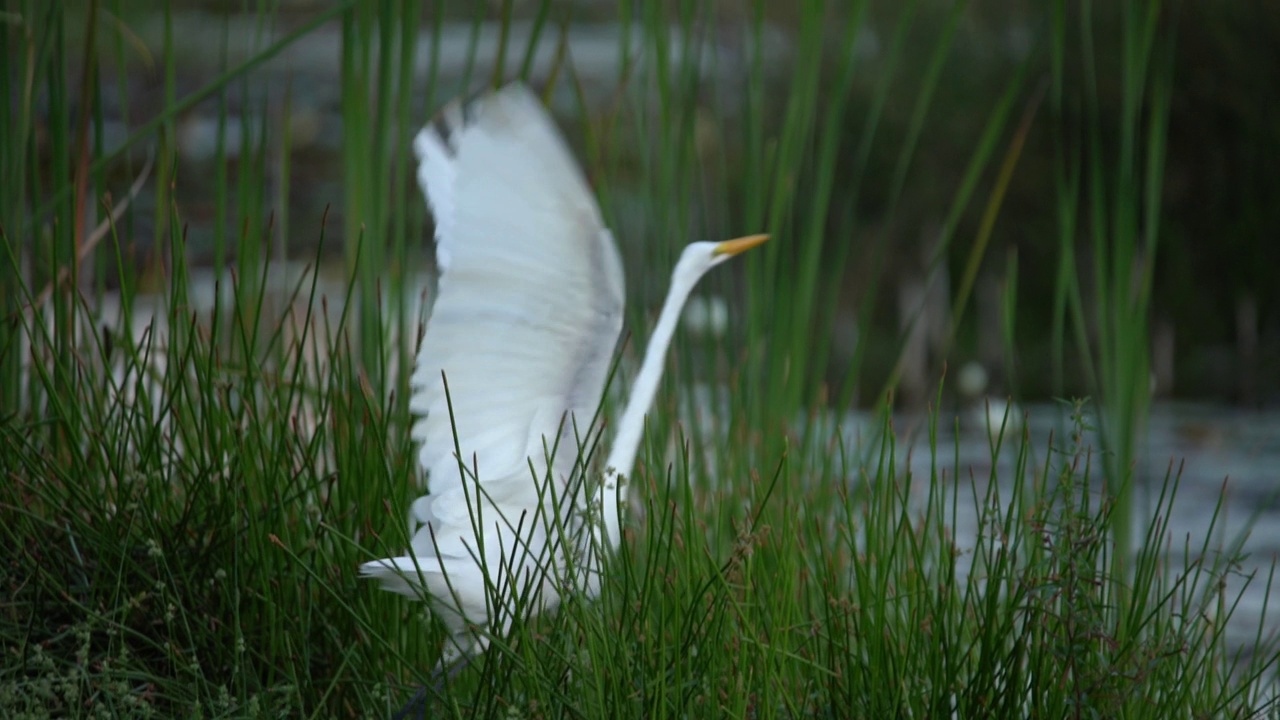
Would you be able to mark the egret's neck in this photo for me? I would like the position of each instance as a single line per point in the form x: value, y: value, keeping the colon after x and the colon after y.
x: 622, y: 456
x: 626, y: 442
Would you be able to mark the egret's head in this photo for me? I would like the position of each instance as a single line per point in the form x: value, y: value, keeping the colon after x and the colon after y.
x: 700, y: 257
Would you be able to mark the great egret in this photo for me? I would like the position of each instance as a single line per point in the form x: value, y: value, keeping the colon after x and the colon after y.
x: 516, y: 351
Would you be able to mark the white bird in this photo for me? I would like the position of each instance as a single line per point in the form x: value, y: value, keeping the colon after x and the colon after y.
x: 512, y: 368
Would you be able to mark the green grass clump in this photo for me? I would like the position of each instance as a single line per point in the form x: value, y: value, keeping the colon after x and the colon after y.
x: 187, y: 487
x: 226, y: 589
x: 166, y: 557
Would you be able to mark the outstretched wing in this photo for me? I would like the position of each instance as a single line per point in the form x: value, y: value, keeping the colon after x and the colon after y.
x: 529, y: 303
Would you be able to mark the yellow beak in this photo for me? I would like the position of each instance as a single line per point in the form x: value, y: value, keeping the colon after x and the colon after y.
x: 742, y: 244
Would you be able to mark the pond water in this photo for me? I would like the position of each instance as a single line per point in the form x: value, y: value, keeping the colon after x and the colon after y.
x: 1217, y: 453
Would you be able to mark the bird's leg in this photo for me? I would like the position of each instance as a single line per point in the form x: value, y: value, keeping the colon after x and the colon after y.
x: 441, y: 677
x: 418, y: 701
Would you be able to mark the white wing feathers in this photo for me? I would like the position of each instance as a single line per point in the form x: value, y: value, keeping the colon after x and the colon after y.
x: 525, y: 320
x: 530, y: 298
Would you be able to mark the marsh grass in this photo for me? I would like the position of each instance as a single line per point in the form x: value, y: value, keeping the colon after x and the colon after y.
x: 1110, y: 179
x: 187, y: 490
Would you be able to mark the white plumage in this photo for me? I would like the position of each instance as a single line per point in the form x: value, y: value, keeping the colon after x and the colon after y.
x: 527, y: 313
